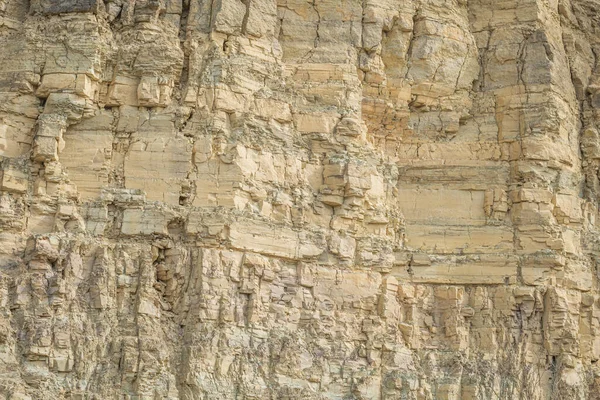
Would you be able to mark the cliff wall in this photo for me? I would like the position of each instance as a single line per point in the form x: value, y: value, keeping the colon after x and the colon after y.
x: 291, y: 199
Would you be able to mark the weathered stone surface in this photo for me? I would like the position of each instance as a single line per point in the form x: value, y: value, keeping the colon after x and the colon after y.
x: 285, y: 199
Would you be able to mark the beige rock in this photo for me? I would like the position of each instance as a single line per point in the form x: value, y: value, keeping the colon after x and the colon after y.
x: 144, y: 222
x: 299, y: 200
x: 13, y: 178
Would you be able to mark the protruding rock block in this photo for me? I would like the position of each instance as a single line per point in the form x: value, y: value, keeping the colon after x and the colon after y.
x: 48, y: 140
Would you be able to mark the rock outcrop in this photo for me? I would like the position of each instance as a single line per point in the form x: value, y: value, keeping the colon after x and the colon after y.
x: 292, y: 199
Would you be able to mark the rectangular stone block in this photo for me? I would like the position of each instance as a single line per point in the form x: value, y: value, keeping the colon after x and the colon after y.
x: 485, y: 269
x: 13, y: 179
x: 45, y: 149
x: 279, y: 241
x: 70, y: 105
x: 86, y: 158
x: 144, y: 222
x: 122, y: 91
x: 56, y: 82
x: 315, y: 123
x: 442, y: 206
x: 80, y: 84
x: 148, y: 92
x: 264, y: 239
x: 269, y: 108
x: 567, y: 208
x: 476, y: 175
x: 158, y: 166
x: 216, y: 184
x: 459, y: 239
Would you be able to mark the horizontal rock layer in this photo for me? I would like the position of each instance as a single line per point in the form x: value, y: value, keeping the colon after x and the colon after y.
x: 285, y: 199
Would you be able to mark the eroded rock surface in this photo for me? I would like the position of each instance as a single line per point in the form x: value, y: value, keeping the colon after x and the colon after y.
x: 291, y: 199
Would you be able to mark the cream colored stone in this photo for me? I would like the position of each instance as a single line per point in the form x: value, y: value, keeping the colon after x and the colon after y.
x: 12, y: 179
x: 315, y: 123
x: 299, y: 200
x: 144, y: 222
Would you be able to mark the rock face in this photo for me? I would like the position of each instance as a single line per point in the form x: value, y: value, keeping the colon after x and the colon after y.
x: 292, y: 199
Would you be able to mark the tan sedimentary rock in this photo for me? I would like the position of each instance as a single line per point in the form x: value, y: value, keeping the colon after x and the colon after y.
x: 326, y: 199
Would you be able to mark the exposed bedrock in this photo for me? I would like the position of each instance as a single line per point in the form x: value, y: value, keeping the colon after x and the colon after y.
x: 291, y: 199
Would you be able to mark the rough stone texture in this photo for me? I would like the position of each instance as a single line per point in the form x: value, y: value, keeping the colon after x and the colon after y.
x: 286, y: 199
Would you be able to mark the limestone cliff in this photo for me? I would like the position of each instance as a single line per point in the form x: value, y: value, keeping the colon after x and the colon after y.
x: 292, y: 199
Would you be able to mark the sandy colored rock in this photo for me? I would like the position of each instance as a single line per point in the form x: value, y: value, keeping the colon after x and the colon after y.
x: 327, y: 199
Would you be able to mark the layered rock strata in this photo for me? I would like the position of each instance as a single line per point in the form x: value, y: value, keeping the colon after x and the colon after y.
x: 291, y: 199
